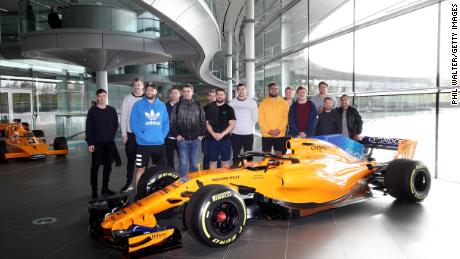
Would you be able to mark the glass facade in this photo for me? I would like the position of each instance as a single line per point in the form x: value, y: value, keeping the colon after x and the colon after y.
x: 384, y: 54
x: 53, y: 97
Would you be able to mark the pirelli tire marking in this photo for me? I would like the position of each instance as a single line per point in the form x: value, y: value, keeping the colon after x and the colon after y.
x: 206, y: 215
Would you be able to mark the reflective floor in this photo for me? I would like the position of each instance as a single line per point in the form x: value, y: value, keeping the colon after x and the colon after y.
x: 378, y: 228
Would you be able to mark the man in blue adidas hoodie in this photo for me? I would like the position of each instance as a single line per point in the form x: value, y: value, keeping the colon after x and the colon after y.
x: 150, y: 124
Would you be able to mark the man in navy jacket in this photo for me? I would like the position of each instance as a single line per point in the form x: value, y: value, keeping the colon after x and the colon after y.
x: 150, y: 124
x: 302, y: 115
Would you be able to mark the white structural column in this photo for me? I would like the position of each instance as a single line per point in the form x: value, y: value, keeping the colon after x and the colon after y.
x: 236, y: 75
x: 228, y: 55
x: 285, y: 43
x: 249, y: 43
x: 101, y: 82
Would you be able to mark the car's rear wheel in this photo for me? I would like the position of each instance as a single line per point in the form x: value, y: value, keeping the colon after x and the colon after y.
x: 407, y: 180
x: 155, y: 178
x: 215, y: 215
x: 60, y: 143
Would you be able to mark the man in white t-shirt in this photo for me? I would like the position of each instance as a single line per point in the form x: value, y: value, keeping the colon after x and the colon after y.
x: 247, y: 114
x: 127, y: 135
x: 318, y: 100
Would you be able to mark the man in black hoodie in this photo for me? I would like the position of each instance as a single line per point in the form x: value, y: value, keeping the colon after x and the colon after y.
x: 101, y: 127
x: 352, y: 124
x: 188, y: 127
x: 329, y: 120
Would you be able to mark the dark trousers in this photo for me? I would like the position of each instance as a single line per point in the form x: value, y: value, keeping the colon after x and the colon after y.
x: 204, y: 149
x: 130, y: 149
x: 239, y: 142
x: 171, y: 146
x: 103, y: 155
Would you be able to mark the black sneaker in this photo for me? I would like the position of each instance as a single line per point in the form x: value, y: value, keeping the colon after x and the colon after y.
x: 107, y: 191
x: 94, y: 195
x: 127, y: 188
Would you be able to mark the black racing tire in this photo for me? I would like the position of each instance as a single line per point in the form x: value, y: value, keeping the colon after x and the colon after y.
x: 155, y: 178
x: 38, y: 133
x: 60, y: 143
x: 2, y: 133
x: 215, y: 215
x: 3, y: 150
x: 407, y: 180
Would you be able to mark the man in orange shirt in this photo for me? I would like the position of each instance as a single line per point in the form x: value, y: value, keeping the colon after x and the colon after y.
x: 273, y: 120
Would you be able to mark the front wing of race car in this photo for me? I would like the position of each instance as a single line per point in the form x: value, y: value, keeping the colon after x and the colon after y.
x: 134, y: 239
x: 33, y: 151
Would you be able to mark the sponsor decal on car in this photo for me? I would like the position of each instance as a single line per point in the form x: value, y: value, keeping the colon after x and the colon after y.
x: 221, y: 196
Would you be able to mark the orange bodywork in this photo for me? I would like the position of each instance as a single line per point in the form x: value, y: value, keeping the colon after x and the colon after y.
x: 322, y: 175
x: 22, y: 143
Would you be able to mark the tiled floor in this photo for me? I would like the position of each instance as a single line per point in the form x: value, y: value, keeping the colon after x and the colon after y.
x: 378, y: 228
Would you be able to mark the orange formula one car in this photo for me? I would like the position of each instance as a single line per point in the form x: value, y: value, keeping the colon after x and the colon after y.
x: 320, y: 173
x: 16, y: 140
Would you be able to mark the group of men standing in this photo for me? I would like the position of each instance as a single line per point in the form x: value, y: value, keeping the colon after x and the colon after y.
x: 154, y: 130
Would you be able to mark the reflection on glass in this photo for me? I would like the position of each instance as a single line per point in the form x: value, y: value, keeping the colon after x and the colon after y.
x: 273, y: 73
x: 295, y: 69
x: 397, y: 54
x: 445, y: 45
x: 449, y: 125
x: 366, y: 10
x: 259, y: 83
x: 327, y: 17
x: 332, y: 61
x: 401, y: 116
x: 4, y: 106
x: 259, y: 42
x: 293, y: 25
x: 272, y: 38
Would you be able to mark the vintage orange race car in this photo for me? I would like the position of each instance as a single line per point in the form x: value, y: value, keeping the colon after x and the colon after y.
x: 17, y: 140
x: 319, y: 173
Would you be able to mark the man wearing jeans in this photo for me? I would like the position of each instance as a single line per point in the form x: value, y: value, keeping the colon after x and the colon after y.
x: 188, y: 127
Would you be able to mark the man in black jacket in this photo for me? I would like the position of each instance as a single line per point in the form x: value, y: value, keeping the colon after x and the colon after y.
x: 352, y: 124
x: 188, y: 127
x: 329, y: 120
x: 101, y: 127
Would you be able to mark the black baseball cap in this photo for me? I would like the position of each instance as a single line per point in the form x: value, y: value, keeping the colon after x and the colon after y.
x: 150, y: 84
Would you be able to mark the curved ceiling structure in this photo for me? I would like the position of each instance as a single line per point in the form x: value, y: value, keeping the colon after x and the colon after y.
x: 195, y: 23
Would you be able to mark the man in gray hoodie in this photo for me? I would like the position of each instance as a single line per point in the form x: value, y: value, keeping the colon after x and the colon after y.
x: 127, y: 135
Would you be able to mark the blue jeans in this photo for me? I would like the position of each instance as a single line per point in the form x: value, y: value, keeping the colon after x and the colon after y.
x: 188, y: 152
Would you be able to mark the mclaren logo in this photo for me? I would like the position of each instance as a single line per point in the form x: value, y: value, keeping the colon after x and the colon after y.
x: 152, y: 117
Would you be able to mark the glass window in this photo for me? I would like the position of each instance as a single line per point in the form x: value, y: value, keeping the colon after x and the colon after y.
x: 327, y: 17
x: 397, y: 54
x: 448, y: 128
x: 332, y: 61
x: 4, y: 106
x: 295, y: 69
x: 273, y: 73
x: 366, y: 10
x: 445, y: 45
x: 259, y: 46
x: 271, y: 7
x: 259, y: 12
x: 259, y: 83
x: 401, y: 116
x: 272, y: 38
x: 294, y: 29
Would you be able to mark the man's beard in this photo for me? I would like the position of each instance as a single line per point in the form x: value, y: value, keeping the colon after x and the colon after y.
x: 272, y: 95
x: 221, y: 101
x: 150, y: 97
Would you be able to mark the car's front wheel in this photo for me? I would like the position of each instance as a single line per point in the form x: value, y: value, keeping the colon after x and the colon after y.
x: 215, y: 215
x: 407, y: 180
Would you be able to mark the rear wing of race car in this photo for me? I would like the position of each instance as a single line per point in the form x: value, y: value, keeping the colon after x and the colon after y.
x: 405, y: 148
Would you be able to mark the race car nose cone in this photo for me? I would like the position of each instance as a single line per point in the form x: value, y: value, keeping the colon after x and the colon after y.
x: 221, y: 216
